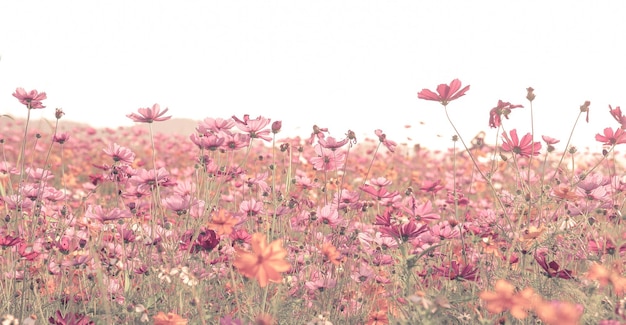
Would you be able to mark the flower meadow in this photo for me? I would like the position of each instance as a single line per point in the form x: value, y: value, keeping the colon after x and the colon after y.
x: 232, y: 224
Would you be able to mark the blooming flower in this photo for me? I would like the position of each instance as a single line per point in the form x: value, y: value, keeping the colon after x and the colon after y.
x: 504, y: 298
x: 553, y: 269
x: 31, y: 99
x: 61, y: 138
x: 119, y: 153
x: 611, y: 138
x: 503, y: 108
x: 265, y: 262
x: 445, y: 93
x: 254, y: 127
x: 327, y: 160
x: 523, y: 147
x: 331, y: 143
x: 149, y: 115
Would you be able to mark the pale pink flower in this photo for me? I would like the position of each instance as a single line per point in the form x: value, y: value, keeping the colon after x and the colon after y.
x: 31, y: 99
x: 98, y: 213
x: 327, y: 160
x: 119, y: 153
x: 149, y: 115
x: 211, y: 125
x: 254, y: 127
x: 328, y: 215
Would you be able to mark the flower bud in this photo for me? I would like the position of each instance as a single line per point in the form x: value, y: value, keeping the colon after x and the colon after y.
x: 530, y: 95
x: 276, y: 126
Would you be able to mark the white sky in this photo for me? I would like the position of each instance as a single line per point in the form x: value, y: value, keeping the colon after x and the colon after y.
x: 351, y: 64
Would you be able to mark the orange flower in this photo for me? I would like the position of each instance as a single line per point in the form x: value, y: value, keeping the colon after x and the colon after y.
x: 558, y: 312
x: 504, y: 298
x: 265, y: 262
x: 565, y: 192
x: 222, y: 222
x: 600, y: 273
x: 378, y: 317
x: 331, y: 254
x: 168, y: 319
x: 605, y: 276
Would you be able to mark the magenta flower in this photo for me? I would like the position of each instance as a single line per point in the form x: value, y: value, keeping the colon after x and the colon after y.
x: 61, y: 138
x: 456, y: 271
x: 149, y: 115
x: 31, y: 99
x: 69, y: 319
x: 445, y: 93
x: 523, y: 147
x: 611, y: 138
x: 552, y: 269
x: 503, y: 108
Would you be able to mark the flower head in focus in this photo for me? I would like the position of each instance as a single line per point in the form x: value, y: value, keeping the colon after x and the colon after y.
x: 31, y: 99
x: 149, y: 115
x: 445, y: 93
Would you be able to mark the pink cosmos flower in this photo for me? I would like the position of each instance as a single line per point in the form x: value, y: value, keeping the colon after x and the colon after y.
x: 149, y: 115
x: 210, y: 125
x: 327, y: 159
x: 618, y: 116
x: 254, y: 127
x: 549, y: 141
x: 31, y: 99
x: 235, y: 141
x: 552, y: 269
x: 331, y: 143
x: 456, y: 271
x: 318, y: 133
x: 207, y: 141
x: 119, y: 153
x: 328, y: 215
x: 611, y: 137
x: 98, y: 213
x: 445, y: 93
x: 61, y: 138
x: 524, y: 147
x: 251, y: 208
x: 391, y: 145
x: 503, y: 108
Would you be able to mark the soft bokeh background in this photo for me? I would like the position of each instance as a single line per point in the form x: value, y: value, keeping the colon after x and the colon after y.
x: 350, y: 64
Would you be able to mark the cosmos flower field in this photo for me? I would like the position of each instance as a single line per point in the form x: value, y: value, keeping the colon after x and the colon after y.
x: 234, y: 224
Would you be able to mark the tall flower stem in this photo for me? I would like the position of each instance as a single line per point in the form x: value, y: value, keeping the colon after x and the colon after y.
x: 571, y: 134
x: 488, y: 180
